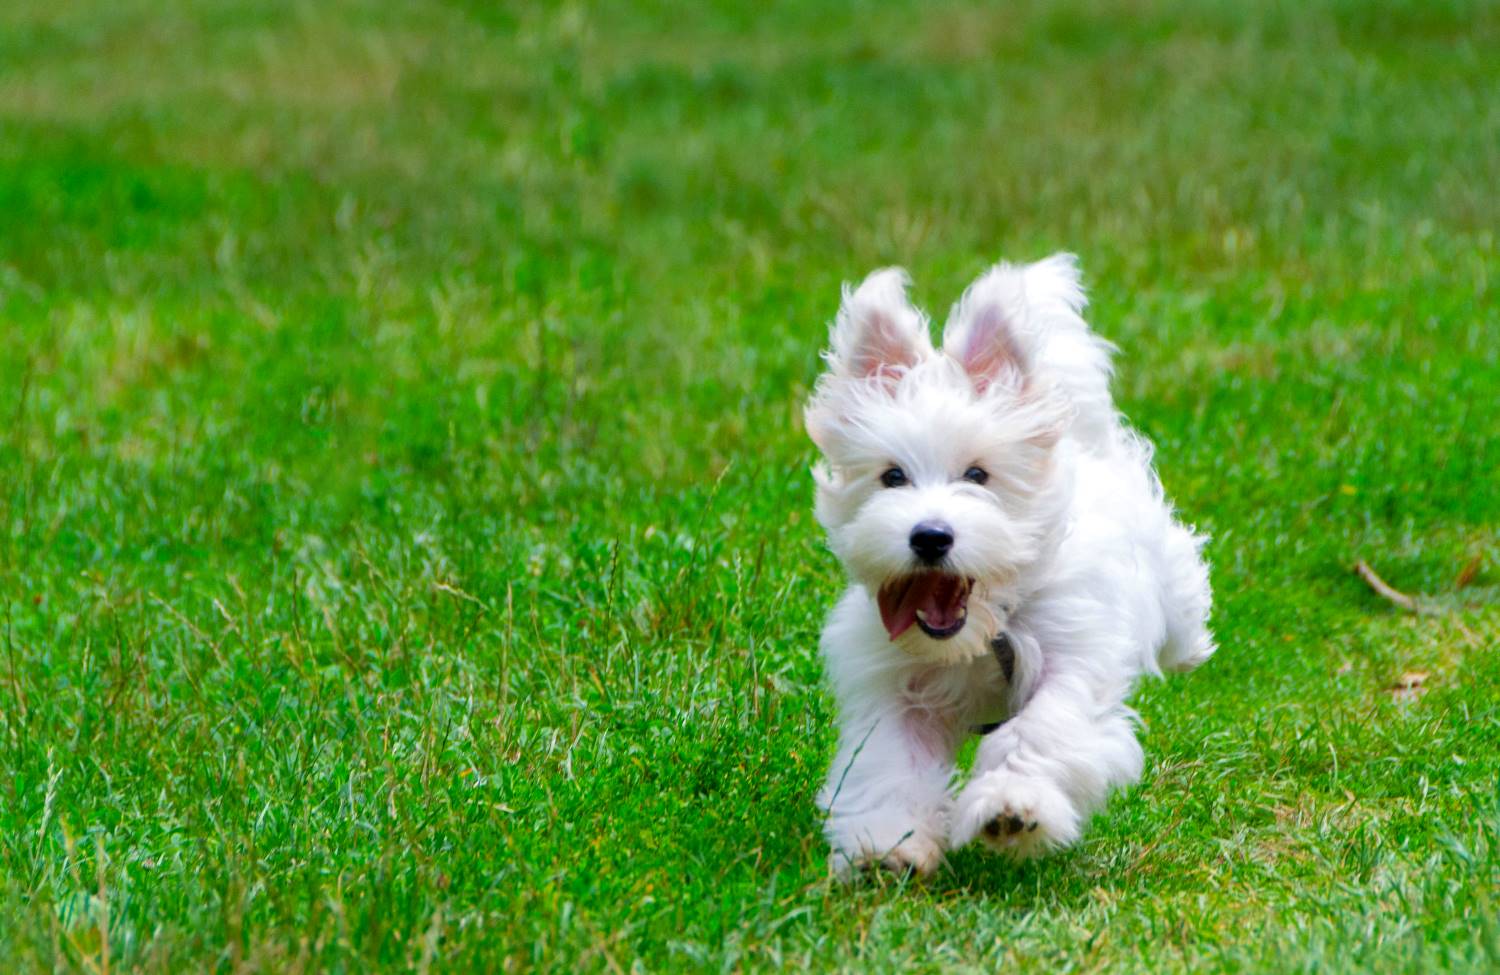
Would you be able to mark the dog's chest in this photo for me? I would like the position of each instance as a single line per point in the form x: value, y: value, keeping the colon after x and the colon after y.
x: 972, y: 695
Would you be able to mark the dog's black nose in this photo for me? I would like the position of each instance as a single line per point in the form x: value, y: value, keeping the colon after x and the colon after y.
x: 931, y: 540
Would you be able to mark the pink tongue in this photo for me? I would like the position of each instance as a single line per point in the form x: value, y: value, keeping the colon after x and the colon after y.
x: 937, y: 594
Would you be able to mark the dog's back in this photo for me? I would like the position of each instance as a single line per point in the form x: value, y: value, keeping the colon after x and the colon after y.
x: 1046, y: 299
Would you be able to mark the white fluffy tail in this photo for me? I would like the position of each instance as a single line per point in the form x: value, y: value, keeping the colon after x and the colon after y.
x: 1186, y: 600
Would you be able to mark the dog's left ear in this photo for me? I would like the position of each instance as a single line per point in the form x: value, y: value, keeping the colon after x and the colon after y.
x: 986, y: 331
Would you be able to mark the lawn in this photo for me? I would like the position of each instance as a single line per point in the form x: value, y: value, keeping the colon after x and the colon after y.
x: 406, y: 551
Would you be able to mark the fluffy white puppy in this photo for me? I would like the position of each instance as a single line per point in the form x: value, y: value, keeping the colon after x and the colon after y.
x: 1011, y: 558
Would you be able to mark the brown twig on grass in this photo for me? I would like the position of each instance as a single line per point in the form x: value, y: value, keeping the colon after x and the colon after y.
x: 1469, y: 571
x: 1386, y: 591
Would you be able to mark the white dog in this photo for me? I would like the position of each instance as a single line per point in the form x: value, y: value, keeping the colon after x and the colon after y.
x: 1011, y: 558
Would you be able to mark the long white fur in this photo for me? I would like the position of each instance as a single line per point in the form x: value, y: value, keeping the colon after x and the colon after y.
x: 1075, y: 554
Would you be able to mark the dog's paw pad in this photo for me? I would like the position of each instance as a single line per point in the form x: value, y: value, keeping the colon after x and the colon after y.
x: 1008, y: 825
x: 1015, y: 815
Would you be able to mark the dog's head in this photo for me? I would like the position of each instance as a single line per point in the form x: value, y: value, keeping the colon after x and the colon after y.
x: 938, y: 485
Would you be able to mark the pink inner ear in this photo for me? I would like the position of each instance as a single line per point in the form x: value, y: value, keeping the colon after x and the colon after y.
x: 990, y: 350
x: 882, y: 348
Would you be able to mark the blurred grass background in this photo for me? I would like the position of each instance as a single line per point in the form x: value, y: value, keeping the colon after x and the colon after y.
x: 407, y: 554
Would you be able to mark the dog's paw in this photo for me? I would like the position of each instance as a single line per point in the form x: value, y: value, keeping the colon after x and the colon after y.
x: 914, y: 856
x: 1019, y: 815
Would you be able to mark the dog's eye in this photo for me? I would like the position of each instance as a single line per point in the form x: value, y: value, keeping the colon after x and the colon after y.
x: 977, y: 475
x: 893, y: 477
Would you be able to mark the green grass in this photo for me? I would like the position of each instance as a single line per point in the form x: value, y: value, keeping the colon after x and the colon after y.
x: 407, y: 550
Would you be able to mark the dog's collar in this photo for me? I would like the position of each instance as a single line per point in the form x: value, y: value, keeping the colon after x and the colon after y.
x: 1005, y: 656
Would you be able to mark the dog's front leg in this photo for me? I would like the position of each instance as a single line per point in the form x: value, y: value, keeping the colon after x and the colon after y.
x: 1038, y: 778
x: 887, y: 795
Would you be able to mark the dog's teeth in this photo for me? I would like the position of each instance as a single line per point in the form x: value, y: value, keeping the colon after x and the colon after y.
x: 922, y: 615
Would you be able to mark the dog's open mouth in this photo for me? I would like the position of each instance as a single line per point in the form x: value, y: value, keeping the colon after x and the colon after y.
x: 938, y: 602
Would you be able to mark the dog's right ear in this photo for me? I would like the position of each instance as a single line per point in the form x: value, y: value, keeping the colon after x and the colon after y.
x: 878, y: 332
